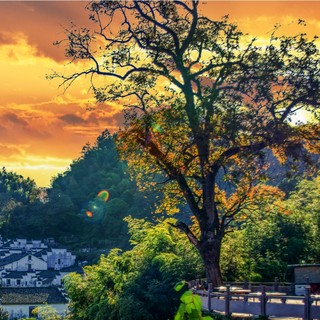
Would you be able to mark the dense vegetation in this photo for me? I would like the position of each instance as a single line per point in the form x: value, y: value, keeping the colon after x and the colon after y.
x: 284, y: 231
x: 202, y: 141
x: 62, y: 210
x: 280, y: 228
x: 136, y: 284
x: 203, y: 102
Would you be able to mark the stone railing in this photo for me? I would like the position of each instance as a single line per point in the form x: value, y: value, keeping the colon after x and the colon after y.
x: 261, y: 303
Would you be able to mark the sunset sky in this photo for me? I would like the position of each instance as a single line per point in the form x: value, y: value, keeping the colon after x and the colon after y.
x: 42, y: 128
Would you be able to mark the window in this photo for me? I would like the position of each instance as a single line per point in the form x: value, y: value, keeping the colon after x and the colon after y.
x: 29, y: 257
x: 18, y: 282
x: 8, y: 282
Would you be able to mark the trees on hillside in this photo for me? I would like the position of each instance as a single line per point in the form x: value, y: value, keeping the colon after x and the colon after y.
x: 98, y: 169
x: 62, y: 214
x: 15, y: 192
x: 138, y: 283
x: 202, y: 101
x: 275, y: 237
x: 303, y: 203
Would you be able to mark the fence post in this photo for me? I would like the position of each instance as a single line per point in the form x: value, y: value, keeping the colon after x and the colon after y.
x: 292, y: 288
x: 263, y: 301
x: 276, y: 284
x: 209, y: 295
x: 307, y: 304
x: 227, y: 301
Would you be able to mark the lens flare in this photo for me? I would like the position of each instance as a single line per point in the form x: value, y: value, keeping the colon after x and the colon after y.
x: 89, y: 214
x: 156, y: 128
x: 104, y: 195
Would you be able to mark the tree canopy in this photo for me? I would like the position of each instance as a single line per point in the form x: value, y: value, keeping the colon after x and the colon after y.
x: 138, y: 283
x: 75, y: 210
x: 203, y: 103
x: 15, y: 192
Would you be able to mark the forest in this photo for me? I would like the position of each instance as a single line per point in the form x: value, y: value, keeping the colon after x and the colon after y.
x: 210, y: 175
x: 137, y: 255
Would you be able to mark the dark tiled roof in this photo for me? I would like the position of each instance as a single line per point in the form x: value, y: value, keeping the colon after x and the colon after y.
x: 40, y: 253
x: 15, y: 275
x: 49, y: 295
x: 4, y: 253
x: 13, y: 257
x: 76, y: 269
x: 49, y: 274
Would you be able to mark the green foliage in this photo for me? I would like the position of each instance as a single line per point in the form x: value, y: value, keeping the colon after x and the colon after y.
x: 16, y: 195
x: 46, y: 312
x: 203, y: 103
x: 4, y: 315
x: 261, y: 250
x: 62, y: 213
x: 303, y: 205
x: 276, y: 236
x: 75, y: 192
x: 135, y: 284
x: 190, y: 305
x: 16, y: 187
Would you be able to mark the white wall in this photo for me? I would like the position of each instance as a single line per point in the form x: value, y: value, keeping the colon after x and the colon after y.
x: 60, y: 258
x: 23, y: 264
x: 22, y: 311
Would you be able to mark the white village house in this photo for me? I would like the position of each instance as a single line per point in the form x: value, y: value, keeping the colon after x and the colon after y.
x: 22, y: 262
x: 19, y: 302
x: 31, y: 273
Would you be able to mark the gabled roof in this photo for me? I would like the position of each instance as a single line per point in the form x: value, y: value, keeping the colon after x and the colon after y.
x: 48, y: 274
x: 13, y: 257
x: 40, y: 253
x: 48, y: 295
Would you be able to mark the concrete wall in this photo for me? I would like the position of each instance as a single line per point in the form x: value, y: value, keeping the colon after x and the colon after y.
x: 307, y: 275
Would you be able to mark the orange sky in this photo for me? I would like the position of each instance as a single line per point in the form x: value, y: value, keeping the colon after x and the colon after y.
x: 42, y: 128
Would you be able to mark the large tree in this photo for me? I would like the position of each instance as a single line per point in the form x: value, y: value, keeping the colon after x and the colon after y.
x: 203, y: 103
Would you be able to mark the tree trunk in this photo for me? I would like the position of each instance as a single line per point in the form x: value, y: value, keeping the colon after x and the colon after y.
x: 210, y: 252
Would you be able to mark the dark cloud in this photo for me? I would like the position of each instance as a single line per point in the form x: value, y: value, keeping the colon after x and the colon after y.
x: 116, y: 120
x: 13, y: 118
x: 72, y: 119
x: 99, y: 117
